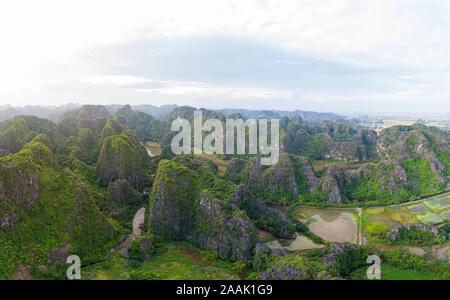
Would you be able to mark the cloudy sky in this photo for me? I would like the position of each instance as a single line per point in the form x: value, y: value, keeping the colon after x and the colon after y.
x: 325, y: 55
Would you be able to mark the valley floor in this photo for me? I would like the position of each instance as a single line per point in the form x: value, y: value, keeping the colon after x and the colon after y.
x: 359, y: 225
x: 180, y: 260
x: 177, y: 261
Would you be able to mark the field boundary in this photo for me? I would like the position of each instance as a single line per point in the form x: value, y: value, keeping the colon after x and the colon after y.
x: 424, y: 198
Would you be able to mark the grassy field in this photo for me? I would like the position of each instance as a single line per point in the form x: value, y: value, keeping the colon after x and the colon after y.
x: 441, y: 125
x: 391, y: 123
x: 178, y: 261
x: 392, y: 273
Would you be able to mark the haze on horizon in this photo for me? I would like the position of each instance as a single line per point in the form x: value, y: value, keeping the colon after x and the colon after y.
x: 338, y: 56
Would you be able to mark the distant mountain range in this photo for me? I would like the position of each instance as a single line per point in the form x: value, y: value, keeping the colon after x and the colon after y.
x: 54, y: 113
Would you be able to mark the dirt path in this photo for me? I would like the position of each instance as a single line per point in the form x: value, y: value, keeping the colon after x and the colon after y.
x: 360, y: 236
x: 138, y: 221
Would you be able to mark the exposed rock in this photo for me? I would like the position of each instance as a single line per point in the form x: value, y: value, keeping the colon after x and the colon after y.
x: 235, y: 168
x: 19, y: 191
x: 21, y: 272
x: 232, y: 236
x: 335, y: 179
x: 309, y: 174
x: 180, y: 211
x: 259, y: 212
x: 138, y: 221
x: 172, y: 201
x: 281, y: 177
x: 121, y: 157
x: 57, y: 256
x: 121, y: 196
x: 4, y: 152
x: 54, y: 206
x: 273, y: 183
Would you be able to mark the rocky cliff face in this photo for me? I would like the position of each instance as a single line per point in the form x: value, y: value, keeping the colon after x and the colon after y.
x: 277, y: 264
x: 329, y: 140
x: 228, y: 233
x: 46, y: 212
x: 122, y: 199
x: 234, y: 169
x: 181, y: 210
x: 121, y: 157
x: 402, y: 143
x: 388, y: 181
x: 281, y: 183
x: 334, y: 183
x: 172, y: 201
x: 273, y: 183
x: 19, y: 182
x: 413, y: 161
x: 19, y: 191
x: 307, y: 172
x: 268, y: 219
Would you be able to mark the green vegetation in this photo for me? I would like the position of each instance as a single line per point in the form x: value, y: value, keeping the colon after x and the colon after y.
x: 121, y: 157
x: 73, y: 187
x: 389, y: 272
x: 408, y: 261
x: 378, y: 221
x: 417, y: 234
x: 177, y: 261
x: 48, y: 211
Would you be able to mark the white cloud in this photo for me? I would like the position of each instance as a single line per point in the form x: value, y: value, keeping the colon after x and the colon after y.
x: 116, y: 80
x: 42, y: 41
x: 193, y: 90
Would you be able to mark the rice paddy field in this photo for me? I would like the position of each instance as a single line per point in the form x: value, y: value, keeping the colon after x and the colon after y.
x: 360, y: 226
x: 433, y: 211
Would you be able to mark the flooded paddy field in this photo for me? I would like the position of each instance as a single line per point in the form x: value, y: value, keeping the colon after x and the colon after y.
x: 300, y: 242
x: 354, y: 225
x: 333, y: 225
